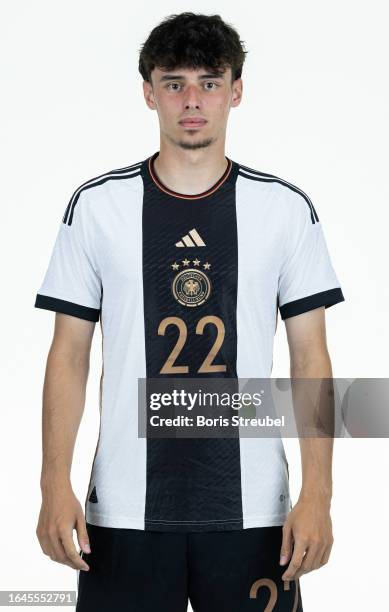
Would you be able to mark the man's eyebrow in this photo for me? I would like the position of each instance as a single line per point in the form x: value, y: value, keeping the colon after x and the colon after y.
x: 180, y: 77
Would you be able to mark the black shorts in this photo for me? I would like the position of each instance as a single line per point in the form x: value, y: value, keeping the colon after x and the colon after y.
x: 144, y: 571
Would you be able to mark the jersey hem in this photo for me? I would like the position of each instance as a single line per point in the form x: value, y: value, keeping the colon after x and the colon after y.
x: 122, y: 522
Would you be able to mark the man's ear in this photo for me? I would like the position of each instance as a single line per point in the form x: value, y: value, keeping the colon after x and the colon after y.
x: 149, y: 95
x: 237, y: 92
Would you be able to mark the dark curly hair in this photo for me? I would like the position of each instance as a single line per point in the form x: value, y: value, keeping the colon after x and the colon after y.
x: 190, y: 40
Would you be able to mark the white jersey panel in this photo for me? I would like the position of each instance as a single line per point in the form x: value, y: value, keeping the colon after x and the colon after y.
x: 260, y: 237
x: 119, y: 468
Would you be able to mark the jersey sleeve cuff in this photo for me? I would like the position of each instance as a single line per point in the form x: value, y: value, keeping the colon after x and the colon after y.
x: 323, y: 298
x: 76, y: 310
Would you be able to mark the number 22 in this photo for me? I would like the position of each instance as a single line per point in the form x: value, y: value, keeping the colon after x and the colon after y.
x: 207, y: 365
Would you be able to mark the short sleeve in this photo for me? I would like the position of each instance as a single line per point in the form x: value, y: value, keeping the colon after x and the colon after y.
x: 307, y: 279
x: 72, y: 284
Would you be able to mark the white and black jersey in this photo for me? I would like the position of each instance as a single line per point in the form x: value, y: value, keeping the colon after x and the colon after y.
x: 141, y: 258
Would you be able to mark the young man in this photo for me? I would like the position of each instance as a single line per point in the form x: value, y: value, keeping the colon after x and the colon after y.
x: 184, y: 258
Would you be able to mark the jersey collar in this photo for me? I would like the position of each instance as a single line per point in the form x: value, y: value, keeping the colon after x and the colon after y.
x: 226, y: 177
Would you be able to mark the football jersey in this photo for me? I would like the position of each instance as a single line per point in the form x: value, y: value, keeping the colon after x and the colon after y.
x: 188, y: 284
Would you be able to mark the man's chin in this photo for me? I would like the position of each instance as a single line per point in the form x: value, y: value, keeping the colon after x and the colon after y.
x: 200, y: 144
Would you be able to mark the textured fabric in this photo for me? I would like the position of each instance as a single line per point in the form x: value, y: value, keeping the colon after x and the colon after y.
x: 152, y: 266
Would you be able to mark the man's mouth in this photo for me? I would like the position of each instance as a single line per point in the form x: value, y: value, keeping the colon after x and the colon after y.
x: 193, y: 122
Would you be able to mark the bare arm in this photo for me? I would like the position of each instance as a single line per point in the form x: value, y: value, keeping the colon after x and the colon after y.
x: 64, y: 392
x: 308, y: 529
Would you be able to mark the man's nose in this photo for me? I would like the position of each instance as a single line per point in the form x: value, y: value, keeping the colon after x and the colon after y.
x: 192, y: 97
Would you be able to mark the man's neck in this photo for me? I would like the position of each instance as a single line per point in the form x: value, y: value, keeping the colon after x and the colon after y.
x: 190, y: 171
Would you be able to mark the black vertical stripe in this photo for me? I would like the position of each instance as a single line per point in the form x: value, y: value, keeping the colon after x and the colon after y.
x: 191, y: 484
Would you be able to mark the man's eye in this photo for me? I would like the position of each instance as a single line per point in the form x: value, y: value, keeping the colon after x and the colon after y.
x: 176, y: 86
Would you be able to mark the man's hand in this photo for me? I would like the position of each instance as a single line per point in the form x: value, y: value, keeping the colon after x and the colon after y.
x: 308, y: 531
x: 60, y: 513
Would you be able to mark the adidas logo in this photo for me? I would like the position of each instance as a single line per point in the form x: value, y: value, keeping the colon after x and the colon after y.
x: 192, y: 239
x: 93, y: 496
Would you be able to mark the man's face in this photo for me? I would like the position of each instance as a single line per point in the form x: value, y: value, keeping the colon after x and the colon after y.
x: 192, y: 105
